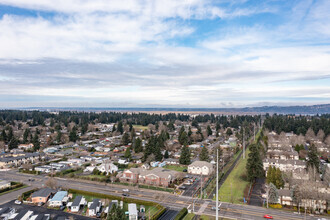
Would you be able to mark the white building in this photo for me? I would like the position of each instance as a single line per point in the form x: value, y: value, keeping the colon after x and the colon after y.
x: 200, y: 168
x: 132, y: 210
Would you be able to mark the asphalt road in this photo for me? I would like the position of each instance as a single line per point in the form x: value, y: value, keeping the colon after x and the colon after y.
x: 168, y: 215
x: 168, y: 200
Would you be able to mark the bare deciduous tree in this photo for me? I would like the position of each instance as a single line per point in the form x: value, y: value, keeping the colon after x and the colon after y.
x: 310, y: 135
x: 51, y: 183
x: 320, y: 135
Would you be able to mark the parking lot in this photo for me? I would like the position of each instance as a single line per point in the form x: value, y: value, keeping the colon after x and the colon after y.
x: 55, y: 214
x: 191, y: 189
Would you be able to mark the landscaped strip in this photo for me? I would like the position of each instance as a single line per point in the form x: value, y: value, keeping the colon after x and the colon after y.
x: 14, y: 187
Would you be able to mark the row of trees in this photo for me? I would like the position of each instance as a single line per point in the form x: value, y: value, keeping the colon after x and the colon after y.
x: 297, y: 124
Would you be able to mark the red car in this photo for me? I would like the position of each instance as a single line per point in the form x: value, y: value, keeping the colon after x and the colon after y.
x: 268, y: 216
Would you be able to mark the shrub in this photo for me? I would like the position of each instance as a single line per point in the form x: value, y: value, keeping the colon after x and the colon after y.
x: 160, y: 211
x: 275, y: 206
x: 181, y: 214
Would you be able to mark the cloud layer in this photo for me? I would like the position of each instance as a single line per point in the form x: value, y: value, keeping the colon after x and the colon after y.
x: 190, y: 53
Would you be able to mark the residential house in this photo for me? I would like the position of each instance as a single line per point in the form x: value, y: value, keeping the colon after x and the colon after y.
x: 42, y: 195
x: 94, y: 207
x: 78, y: 203
x: 284, y: 165
x: 25, y: 146
x: 145, y: 166
x: 59, y: 199
x: 200, y: 168
x: 158, y: 176
x: 132, y: 211
x: 171, y: 161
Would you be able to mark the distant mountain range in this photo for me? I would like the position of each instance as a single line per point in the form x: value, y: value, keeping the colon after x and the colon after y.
x: 304, y: 110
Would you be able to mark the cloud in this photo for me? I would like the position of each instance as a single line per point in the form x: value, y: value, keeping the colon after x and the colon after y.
x: 164, y: 53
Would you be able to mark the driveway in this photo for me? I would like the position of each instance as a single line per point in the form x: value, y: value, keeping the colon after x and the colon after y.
x: 256, y: 192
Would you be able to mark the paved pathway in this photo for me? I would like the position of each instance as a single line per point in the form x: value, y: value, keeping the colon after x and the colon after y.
x: 202, y: 208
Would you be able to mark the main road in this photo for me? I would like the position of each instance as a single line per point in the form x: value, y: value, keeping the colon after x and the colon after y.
x: 173, y: 202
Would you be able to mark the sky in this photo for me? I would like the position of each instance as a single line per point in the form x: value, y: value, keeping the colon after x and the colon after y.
x: 164, y: 53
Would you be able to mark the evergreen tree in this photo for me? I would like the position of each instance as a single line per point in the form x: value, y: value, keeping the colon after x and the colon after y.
x: 313, y: 159
x: 120, y: 127
x: 138, y: 145
x: 128, y: 153
x: 116, y: 213
x: 209, y: 130
x: 59, y: 136
x: 114, y: 128
x: 185, y: 156
x: 36, y: 143
x: 183, y: 138
x: 189, y: 132
x: 4, y: 136
x: 229, y: 131
x: 204, y: 155
x: 272, y: 194
x: 73, y: 134
x: 279, y: 182
x: 26, y: 135
x: 10, y: 133
x: 125, y: 139
x: 13, y: 143
x: 254, y: 164
x: 166, y: 154
x: 217, y: 126
x: 157, y: 152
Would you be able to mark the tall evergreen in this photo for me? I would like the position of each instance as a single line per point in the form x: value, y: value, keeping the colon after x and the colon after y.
x: 120, y: 127
x: 313, y: 160
x: 36, y: 142
x: 4, y: 136
x: 209, y: 130
x: 13, y: 143
x: 73, y: 134
x: 125, y: 139
x: 204, y: 155
x: 185, y: 156
x: 254, y: 164
x: 138, y: 145
x: 26, y: 135
x: 166, y: 154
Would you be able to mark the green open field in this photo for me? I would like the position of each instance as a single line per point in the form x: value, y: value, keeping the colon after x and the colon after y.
x: 178, y: 168
x: 189, y: 216
x: 139, y: 127
x: 233, y: 188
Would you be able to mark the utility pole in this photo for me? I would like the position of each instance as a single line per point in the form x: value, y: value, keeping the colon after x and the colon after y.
x: 254, y: 131
x: 201, y: 185
x: 243, y: 145
x: 217, y: 188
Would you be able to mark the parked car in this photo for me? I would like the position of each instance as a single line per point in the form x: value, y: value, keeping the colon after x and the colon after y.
x: 62, y: 207
x: 268, y: 216
x: 182, y: 187
x: 18, y: 202
x: 214, y: 208
x: 125, y: 194
x: 40, y: 204
x: 184, y: 170
x: 125, y: 190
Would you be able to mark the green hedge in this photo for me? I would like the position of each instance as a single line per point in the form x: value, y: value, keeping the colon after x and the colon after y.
x: 27, y: 194
x: 13, y: 185
x: 181, y: 214
x: 161, y: 210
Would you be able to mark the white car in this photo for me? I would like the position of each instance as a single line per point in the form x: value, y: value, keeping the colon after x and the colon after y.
x: 18, y: 202
x: 125, y: 190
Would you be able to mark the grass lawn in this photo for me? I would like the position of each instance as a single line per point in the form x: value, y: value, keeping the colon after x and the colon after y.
x: 140, y: 127
x: 189, y: 216
x: 233, y: 188
x: 206, y: 217
x: 179, y: 168
x: 96, y: 176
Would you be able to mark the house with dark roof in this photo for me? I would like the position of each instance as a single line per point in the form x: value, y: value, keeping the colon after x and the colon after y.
x: 42, y: 195
x: 94, y: 207
x: 78, y: 203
